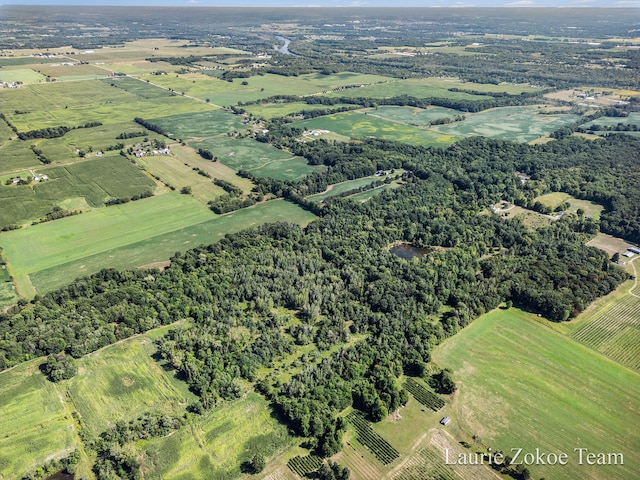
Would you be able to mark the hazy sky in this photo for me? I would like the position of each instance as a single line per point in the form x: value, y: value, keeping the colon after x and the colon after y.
x: 340, y: 3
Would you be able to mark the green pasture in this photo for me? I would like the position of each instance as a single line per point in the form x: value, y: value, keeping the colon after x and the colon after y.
x: 523, y: 385
x: 50, y: 244
x: 28, y: 61
x: 123, y: 381
x: 216, y: 444
x: 361, y: 125
x: 96, y: 180
x: 342, y: 187
x: 272, y: 110
x: 421, y: 117
x: 552, y: 200
x: 145, y: 248
x: 214, y: 121
x: 521, y: 124
x: 258, y: 158
x: 24, y: 75
x: 34, y: 424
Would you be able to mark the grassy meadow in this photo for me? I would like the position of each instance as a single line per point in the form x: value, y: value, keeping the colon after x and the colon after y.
x: 523, y: 385
x: 419, y: 117
x: 123, y: 381
x: 216, y: 444
x: 35, y: 423
x: 552, y: 200
x: 340, y: 188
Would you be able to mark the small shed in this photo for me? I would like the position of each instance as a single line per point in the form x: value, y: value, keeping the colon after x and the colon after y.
x: 445, y: 421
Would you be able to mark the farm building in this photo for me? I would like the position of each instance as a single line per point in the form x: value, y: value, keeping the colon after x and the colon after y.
x: 634, y: 250
x: 445, y: 421
x: 628, y: 254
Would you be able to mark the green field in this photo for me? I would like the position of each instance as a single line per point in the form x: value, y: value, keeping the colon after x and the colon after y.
x: 552, y: 200
x: 201, y: 124
x: 272, y: 110
x: 137, y: 87
x: 521, y: 124
x: 421, y: 117
x: 24, y: 75
x: 123, y: 381
x: 40, y: 247
x: 136, y: 248
x: 79, y: 102
x: 613, y: 330
x: 523, y: 385
x: 417, y: 87
x: 221, y: 92
x: 34, y: 423
x: 632, y: 119
x: 215, y: 445
x: 95, y: 180
x: 360, y: 125
x: 259, y: 158
x: 340, y: 188
x: 7, y: 289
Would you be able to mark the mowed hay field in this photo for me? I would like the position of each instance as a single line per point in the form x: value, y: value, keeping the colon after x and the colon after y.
x: 523, y: 385
x: 123, y: 381
x: 136, y: 248
x: 552, y: 200
x: 215, y: 445
x: 34, y: 423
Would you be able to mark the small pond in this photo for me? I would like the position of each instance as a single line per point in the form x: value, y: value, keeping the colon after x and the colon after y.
x: 408, y: 251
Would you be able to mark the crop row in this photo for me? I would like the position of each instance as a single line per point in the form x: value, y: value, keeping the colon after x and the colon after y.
x: 381, y: 449
x: 425, y: 464
x: 303, y: 465
x: 424, y: 396
x: 615, y: 332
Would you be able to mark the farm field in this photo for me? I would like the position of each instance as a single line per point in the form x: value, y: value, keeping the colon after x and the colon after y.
x: 272, y: 110
x: 259, y: 158
x: 7, y: 289
x: 428, y: 87
x: 24, y: 75
x: 34, y: 422
x: 520, y: 124
x: 360, y: 124
x: 552, y: 200
x: 162, y: 247
x: 214, y: 121
x: 123, y: 381
x: 632, y: 119
x: 224, y: 93
x: 95, y: 180
x: 216, y: 444
x: 50, y: 244
x: 421, y: 117
x: 76, y: 103
x: 518, y: 382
